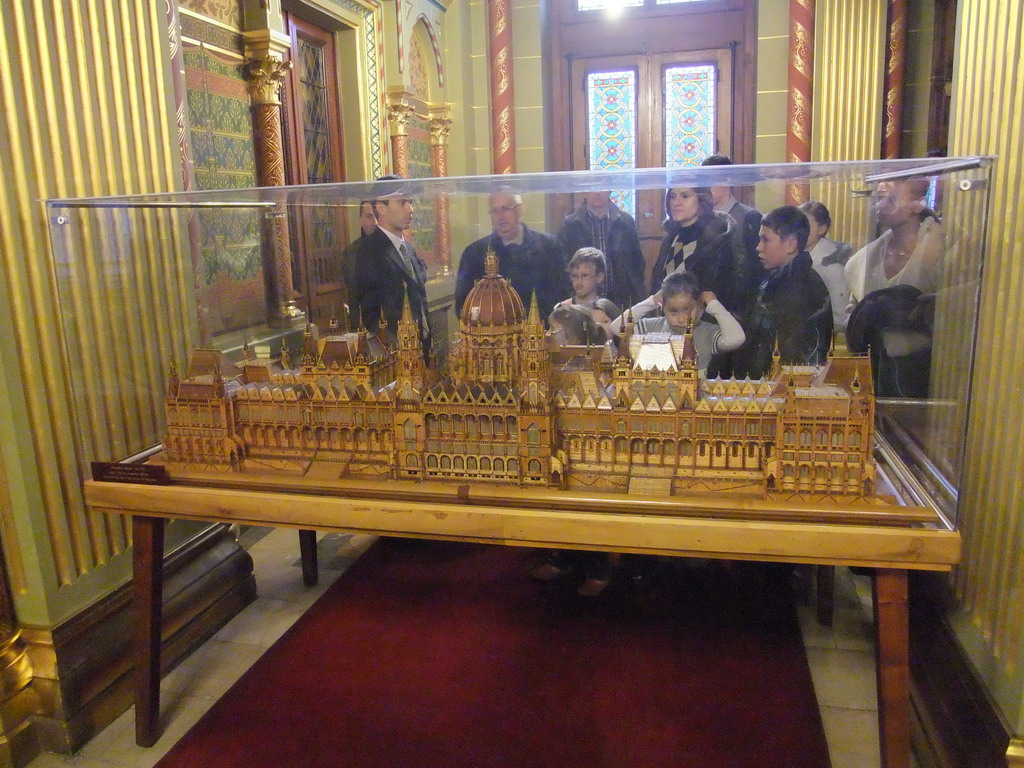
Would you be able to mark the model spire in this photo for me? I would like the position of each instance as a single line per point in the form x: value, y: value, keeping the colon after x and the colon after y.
x: 534, y: 316
x: 406, y: 310
x: 490, y: 263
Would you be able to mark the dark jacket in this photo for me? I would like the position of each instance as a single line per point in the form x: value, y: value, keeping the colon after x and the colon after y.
x: 719, y: 261
x: 536, y: 265
x: 793, y: 308
x: 380, y: 282
x: 749, y: 221
x: 624, y: 277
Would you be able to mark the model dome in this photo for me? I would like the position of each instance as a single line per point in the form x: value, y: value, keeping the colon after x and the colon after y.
x: 492, y: 301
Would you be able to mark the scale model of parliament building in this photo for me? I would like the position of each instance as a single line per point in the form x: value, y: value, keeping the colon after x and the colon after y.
x: 517, y: 409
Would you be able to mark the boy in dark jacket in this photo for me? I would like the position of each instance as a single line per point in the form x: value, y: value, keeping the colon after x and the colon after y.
x: 793, y: 308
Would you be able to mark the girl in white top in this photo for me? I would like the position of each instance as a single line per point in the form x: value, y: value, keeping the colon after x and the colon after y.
x: 829, y: 259
x: 685, y: 307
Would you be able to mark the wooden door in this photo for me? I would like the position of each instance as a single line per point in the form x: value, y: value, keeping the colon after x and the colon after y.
x: 313, y: 152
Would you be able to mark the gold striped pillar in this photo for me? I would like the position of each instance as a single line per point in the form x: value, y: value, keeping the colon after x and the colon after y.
x: 801, y: 91
x: 265, y: 69
x: 847, y: 103
x: 399, y: 115
x: 988, y: 118
x: 440, y: 126
x: 895, y: 74
x: 503, y: 123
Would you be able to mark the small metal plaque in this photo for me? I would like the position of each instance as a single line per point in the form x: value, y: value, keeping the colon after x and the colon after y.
x: 142, y: 474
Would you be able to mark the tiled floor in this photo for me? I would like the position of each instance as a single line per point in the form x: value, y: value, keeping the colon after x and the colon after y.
x: 841, y: 659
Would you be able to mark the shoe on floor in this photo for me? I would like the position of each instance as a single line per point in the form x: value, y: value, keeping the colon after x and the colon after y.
x: 593, y: 587
x: 548, y: 572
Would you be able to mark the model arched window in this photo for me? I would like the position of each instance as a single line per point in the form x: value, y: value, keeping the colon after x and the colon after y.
x: 533, y: 434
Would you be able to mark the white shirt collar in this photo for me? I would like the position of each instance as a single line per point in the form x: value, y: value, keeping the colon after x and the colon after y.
x: 396, y: 240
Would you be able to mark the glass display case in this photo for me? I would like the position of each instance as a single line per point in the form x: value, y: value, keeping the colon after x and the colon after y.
x: 234, y: 331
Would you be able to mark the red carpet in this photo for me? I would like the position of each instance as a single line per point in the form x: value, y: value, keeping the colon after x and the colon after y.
x: 442, y: 655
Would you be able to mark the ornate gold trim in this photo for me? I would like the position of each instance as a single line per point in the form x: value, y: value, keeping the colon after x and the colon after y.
x: 1015, y: 754
x: 439, y: 120
x: 399, y: 116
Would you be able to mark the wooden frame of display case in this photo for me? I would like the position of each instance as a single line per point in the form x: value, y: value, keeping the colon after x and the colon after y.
x: 889, y: 539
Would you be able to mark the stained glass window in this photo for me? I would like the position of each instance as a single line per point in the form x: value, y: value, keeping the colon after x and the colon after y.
x: 611, y: 126
x: 314, y: 113
x: 689, y: 114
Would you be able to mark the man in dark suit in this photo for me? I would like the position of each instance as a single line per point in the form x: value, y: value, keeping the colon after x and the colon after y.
x: 387, y: 270
x: 747, y: 219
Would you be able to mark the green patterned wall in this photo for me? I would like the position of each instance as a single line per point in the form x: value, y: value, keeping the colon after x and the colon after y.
x: 424, y: 223
x: 221, y: 135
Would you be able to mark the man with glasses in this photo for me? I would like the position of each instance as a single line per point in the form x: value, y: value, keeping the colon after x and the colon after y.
x: 529, y: 260
x: 387, y: 270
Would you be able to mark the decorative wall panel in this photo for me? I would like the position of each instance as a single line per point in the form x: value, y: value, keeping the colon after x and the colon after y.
x: 227, y: 12
x: 424, y: 223
x: 221, y: 131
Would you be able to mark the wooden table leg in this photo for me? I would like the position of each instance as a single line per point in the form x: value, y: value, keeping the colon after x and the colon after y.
x: 307, y: 548
x: 824, y: 587
x: 892, y: 653
x: 147, y: 616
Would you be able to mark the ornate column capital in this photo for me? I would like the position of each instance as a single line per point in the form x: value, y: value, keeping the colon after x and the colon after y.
x: 266, y: 76
x: 440, y: 126
x: 399, y: 115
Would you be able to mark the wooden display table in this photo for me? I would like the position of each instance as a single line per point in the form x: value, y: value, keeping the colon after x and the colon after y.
x: 887, y: 538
